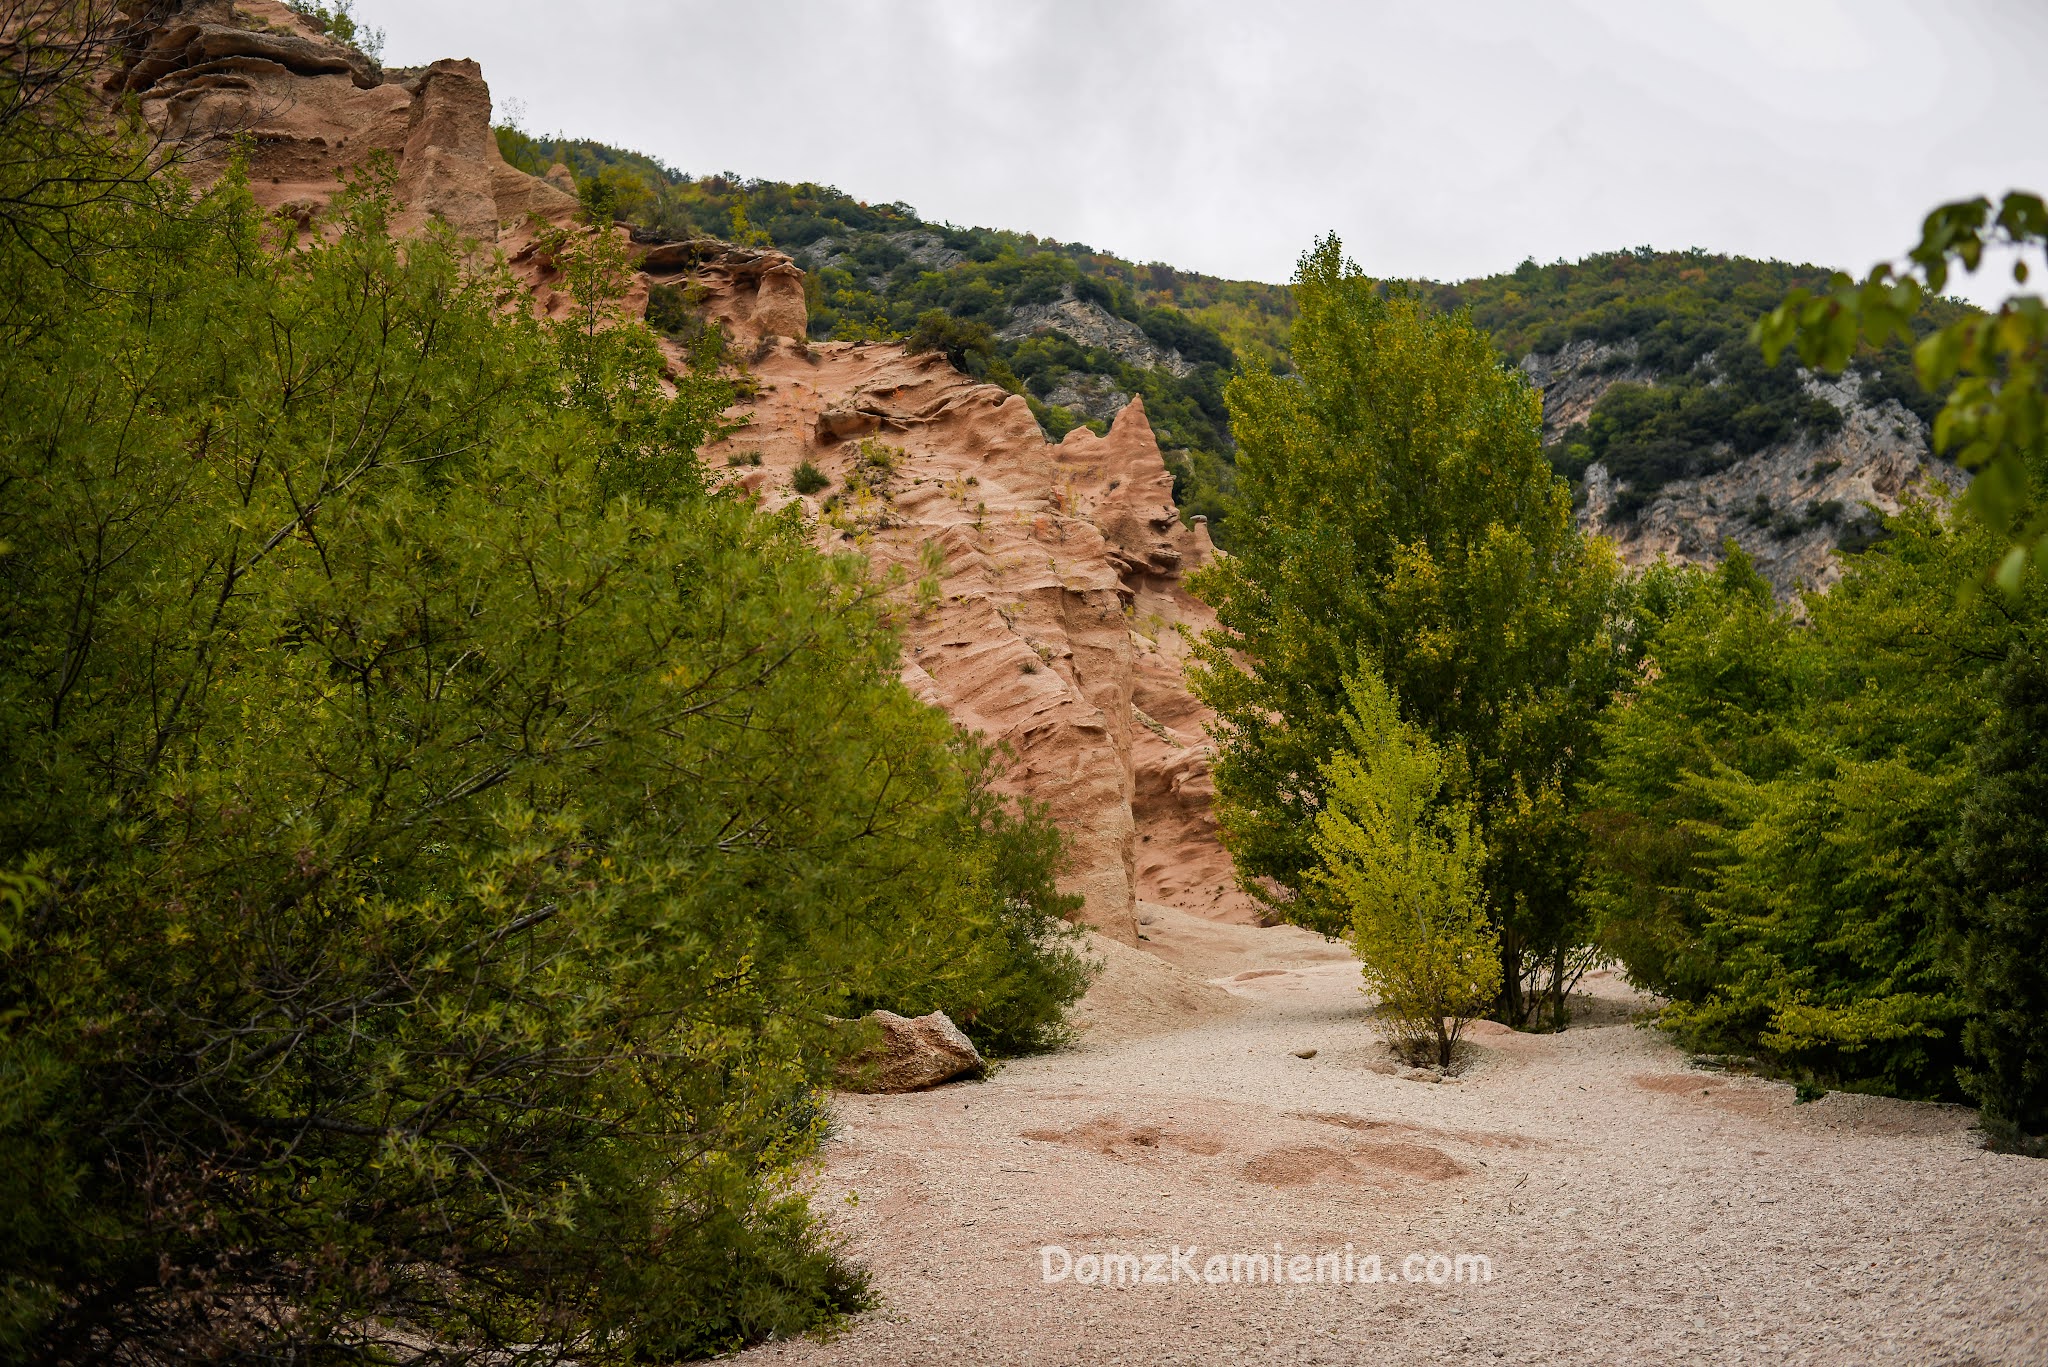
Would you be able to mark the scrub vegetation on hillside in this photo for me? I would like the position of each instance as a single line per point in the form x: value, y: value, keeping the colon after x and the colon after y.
x: 1694, y: 396
x: 878, y: 271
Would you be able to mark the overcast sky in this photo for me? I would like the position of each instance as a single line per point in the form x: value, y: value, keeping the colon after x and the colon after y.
x: 1439, y: 140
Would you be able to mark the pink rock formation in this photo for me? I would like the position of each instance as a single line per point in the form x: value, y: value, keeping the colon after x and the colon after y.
x: 1051, y: 614
x: 1055, y: 627
x: 314, y: 111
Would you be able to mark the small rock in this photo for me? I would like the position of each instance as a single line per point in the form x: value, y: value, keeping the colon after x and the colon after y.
x: 837, y: 424
x: 298, y: 211
x: 912, y: 1054
x: 1304, y: 1053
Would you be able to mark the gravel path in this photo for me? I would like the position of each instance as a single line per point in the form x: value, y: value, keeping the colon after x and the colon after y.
x: 1632, y: 1209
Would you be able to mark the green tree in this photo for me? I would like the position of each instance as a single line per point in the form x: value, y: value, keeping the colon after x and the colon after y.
x: 439, y: 829
x: 966, y: 344
x: 611, y: 194
x: 1406, y: 864
x: 1713, y: 684
x: 1394, y: 506
x: 2000, y: 912
x: 1817, y: 835
x: 1777, y: 805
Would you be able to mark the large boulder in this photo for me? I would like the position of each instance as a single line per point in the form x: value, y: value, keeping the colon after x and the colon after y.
x: 911, y: 1055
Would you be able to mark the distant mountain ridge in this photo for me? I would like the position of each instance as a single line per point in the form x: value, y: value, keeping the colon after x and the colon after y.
x: 1678, y: 438
x: 1657, y: 406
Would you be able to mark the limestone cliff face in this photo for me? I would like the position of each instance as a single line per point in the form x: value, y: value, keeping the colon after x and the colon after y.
x: 1055, y: 625
x: 1790, y: 506
x: 1092, y: 325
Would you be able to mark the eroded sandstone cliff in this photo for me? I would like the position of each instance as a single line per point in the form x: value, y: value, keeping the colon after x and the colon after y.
x: 1041, y: 595
x: 217, y: 76
x: 1051, y: 614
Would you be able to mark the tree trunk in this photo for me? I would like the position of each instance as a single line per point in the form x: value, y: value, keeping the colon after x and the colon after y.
x: 1511, y: 1009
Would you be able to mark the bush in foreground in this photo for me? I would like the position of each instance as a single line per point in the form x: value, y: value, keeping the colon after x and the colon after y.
x: 438, y: 829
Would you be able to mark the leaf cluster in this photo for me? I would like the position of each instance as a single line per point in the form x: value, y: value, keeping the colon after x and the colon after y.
x: 439, y: 828
x: 1994, y: 418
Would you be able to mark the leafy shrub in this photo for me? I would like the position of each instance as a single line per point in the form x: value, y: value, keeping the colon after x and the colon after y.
x: 428, y: 881
x: 962, y: 342
x: 338, y: 21
x: 677, y: 312
x: 808, y: 478
x: 1779, y: 809
x: 1407, y: 864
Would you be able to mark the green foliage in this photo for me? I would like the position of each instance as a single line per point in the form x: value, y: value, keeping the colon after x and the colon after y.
x: 1407, y: 866
x: 1673, y: 308
x: 1203, y: 485
x: 879, y: 272
x: 438, y: 829
x: 1995, y: 417
x: 1709, y: 684
x: 1819, y: 831
x: 964, y: 343
x: 1395, y: 509
x: 808, y: 479
x: 1681, y: 321
x: 613, y: 194
x: 1695, y: 424
x: 1777, y: 804
x: 1999, y: 910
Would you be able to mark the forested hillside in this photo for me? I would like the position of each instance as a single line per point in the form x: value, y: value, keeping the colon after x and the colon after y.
x: 1077, y: 331
x: 1657, y: 407
x: 1687, y: 392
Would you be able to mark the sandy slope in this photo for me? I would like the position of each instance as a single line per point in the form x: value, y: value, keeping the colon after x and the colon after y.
x: 1634, y: 1210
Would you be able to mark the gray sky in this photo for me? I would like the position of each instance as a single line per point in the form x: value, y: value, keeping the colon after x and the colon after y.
x: 1440, y: 140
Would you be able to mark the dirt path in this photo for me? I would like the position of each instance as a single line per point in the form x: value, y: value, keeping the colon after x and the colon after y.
x: 1632, y: 1210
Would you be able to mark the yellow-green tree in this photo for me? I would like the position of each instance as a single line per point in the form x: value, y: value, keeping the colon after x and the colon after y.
x: 1395, y: 506
x: 1405, y: 862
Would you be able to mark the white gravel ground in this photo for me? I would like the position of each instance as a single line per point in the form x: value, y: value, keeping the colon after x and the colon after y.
x: 1633, y: 1209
